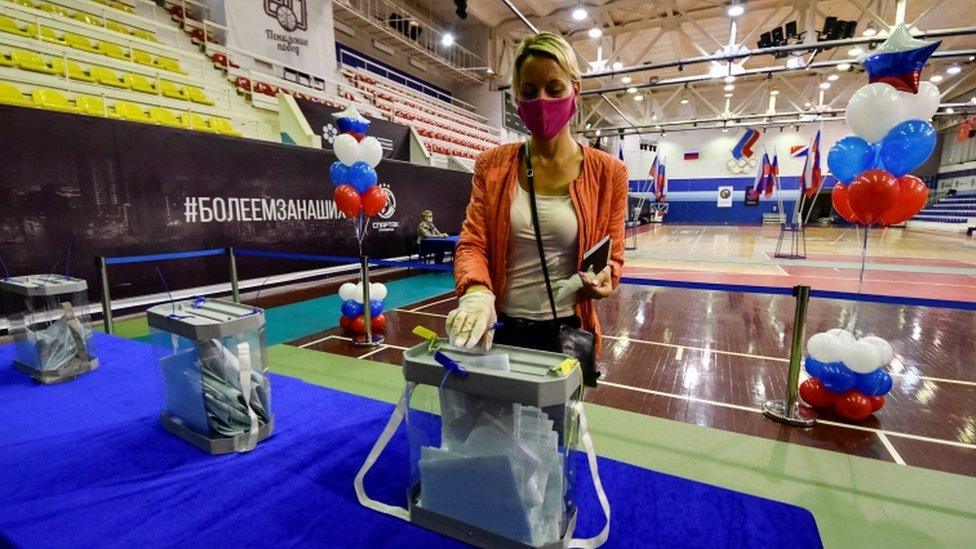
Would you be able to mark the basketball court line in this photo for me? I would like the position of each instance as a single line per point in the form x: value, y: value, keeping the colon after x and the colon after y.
x: 445, y: 300
x: 373, y: 352
x: 891, y: 449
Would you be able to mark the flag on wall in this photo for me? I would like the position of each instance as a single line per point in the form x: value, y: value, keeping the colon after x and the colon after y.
x: 796, y: 151
x: 691, y: 154
x: 812, y: 178
x: 743, y: 149
x: 660, y: 181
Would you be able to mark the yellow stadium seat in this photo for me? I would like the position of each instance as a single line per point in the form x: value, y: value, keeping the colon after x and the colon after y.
x: 198, y: 123
x: 87, y: 18
x: 142, y: 58
x: 91, y: 105
x: 31, y: 61
x: 7, y: 24
x: 173, y: 90
x: 46, y: 34
x: 112, y: 50
x: 131, y: 111
x: 79, y: 42
x: 222, y: 125
x: 25, y: 3
x: 74, y: 70
x: 170, y: 64
x: 53, y: 101
x: 144, y: 34
x: 124, y: 7
x: 6, y: 61
x: 107, y: 77
x: 139, y: 83
x: 116, y: 26
x: 165, y: 117
x: 54, y: 9
x: 197, y: 96
x: 11, y: 95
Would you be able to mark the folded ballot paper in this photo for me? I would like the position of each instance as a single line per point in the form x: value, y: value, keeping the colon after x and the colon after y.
x: 58, y: 343
x: 498, y: 467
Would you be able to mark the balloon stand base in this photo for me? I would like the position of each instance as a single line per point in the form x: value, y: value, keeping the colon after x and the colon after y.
x: 361, y: 341
x: 792, y: 242
x: 799, y: 416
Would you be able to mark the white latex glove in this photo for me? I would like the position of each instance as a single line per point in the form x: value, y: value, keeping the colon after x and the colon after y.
x: 472, y: 321
x: 571, y: 285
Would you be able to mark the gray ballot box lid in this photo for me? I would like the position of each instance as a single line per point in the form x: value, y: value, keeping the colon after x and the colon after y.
x: 43, y: 285
x: 529, y: 381
x: 201, y: 319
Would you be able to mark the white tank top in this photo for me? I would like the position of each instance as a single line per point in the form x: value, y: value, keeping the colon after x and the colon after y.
x: 525, y: 295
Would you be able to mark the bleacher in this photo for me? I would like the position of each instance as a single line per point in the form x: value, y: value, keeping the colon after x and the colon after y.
x: 116, y: 60
x: 950, y: 213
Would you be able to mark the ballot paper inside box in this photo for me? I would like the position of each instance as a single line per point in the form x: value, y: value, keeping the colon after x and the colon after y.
x: 50, y: 326
x: 490, y: 451
x: 213, y: 358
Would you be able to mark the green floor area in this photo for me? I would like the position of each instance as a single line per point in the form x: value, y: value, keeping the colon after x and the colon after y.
x: 857, y: 502
x: 296, y: 320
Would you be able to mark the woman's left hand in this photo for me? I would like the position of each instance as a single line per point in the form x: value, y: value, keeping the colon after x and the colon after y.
x: 597, y: 287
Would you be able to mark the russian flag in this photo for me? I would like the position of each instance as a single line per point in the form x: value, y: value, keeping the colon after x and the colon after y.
x: 660, y: 183
x: 691, y: 154
x: 771, y: 176
x: 813, y: 179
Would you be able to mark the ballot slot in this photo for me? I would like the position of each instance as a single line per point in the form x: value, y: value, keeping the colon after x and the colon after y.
x: 50, y: 326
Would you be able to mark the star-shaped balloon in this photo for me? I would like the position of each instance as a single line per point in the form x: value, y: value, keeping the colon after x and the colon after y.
x: 899, y: 60
x: 349, y: 120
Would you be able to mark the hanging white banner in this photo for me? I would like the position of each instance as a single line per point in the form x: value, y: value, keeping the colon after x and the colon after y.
x: 725, y: 196
x: 297, y: 33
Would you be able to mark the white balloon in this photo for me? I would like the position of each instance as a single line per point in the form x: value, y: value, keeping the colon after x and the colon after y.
x: 377, y: 291
x: 885, y: 352
x: 358, y: 295
x: 873, y: 111
x: 921, y: 105
x: 346, y: 149
x: 843, y: 335
x: 826, y: 347
x: 347, y: 291
x: 862, y: 357
x: 370, y: 151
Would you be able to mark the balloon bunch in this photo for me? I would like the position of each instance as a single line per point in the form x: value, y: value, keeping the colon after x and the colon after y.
x: 354, y: 173
x: 847, y: 374
x: 352, y: 319
x: 890, y: 119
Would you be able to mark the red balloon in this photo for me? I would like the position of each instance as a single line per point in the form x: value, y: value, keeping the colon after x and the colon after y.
x: 815, y: 394
x: 853, y: 406
x: 911, y: 199
x: 348, y: 200
x: 378, y: 322
x: 876, y: 403
x: 357, y: 135
x: 374, y: 200
x: 839, y: 199
x: 871, y: 194
x: 358, y: 325
x: 345, y: 323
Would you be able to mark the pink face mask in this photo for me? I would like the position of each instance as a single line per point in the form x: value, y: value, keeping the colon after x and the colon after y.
x: 546, y: 117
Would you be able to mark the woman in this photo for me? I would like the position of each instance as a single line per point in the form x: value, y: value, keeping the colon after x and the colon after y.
x: 581, y: 197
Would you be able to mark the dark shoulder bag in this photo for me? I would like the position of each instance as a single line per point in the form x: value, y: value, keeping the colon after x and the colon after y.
x: 577, y: 343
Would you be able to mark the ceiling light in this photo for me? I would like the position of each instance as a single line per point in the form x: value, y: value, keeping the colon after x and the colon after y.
x: 684, y: 101
x: 807, y: 105
x: 654, y: 117
x: 595, y: 32
x: 736, y: 10
x: 825, y: 85
x: 729, y: 87
x: 638, y: 98
x: 773, y: 92
x: 725, y: 130
x: 794, y: 63
x: 588, y: 126
x: 950, y: 110
x: 625, y: 80
x: 870, y: 30
x: 617, y: 65
x: 579, y: 14
x: 447, y: 39
x: 631, y: 90
x: 729, y: 79
x: 728, y: 95
x: 843, y: 67
x: 597, y: 132
x: 833, y: 77
x: 855, y: 51
x: 936, y: 78
x: 954, y: 69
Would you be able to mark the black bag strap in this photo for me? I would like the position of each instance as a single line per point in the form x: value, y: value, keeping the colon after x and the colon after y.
x: 530, y: 179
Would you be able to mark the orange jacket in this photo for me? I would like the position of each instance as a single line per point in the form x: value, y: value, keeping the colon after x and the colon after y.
x: 599, y: 198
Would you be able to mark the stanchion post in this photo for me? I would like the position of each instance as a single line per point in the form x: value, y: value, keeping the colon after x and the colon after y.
x: 232, y: 263
x: 368, y: 339
x: 789, y: 411
x: 102, y: 269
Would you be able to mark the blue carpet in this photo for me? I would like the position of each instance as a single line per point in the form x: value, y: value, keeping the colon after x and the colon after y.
x: 86, y: 464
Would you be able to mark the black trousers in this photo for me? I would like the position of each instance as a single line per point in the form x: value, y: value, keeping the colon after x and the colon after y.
x: 542, y: 335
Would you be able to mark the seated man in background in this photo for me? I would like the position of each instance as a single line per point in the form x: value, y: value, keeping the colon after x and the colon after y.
x: 427, y: 229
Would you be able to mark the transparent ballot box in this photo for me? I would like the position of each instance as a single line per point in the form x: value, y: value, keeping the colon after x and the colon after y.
x: 50, y: 326
x: 213, y: 358
x: 493, y: 467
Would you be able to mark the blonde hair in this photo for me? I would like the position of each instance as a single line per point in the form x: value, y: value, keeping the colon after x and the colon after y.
x: 549, y: 45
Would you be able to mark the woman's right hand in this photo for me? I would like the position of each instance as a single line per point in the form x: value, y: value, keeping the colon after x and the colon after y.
x: 473, y: 319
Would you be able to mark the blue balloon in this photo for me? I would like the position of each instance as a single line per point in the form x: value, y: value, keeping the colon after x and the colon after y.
x: 339, y: 173
x: 352, y: 309
x: 907, y: 146
x: 814, y: 367
x: 837, y: 378
x: 362, y: 176
x: 375, y: 307
x: 849, y: 157
x: 876, y: 383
